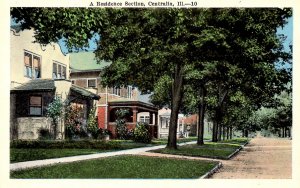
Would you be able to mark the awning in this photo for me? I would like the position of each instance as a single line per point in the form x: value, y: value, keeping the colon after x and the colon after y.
x: 83, y: 92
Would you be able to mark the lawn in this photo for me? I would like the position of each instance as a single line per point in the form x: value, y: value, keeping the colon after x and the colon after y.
x: 125, y: 166
x: 20, y: 155
x: 220, y: 150
x: 35, y: 150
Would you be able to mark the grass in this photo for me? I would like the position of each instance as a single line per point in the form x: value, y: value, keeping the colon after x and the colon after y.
x: 179, y: 140
x: 24, y: 153
x: 20, y: 155
x: 220, y: 150
x: 125, y: 166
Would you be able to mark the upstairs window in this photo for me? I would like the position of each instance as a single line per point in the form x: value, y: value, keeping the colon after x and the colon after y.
x: 32, y: 65
x: 59, y: 71
x: 91, y: 83
x: 129, y: 92
x: 116, y: 91
x: 35, y: 105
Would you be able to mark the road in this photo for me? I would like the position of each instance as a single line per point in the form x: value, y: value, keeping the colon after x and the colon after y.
x: 262, y: 158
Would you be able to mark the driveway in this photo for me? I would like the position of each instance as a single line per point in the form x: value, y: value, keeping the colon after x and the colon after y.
x: 262, y: 158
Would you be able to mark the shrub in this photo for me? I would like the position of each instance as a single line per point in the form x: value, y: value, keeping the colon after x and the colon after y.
x: 73, y: 122
x: 141, y: 133
x: 121, y: 129
x: 92, y: 125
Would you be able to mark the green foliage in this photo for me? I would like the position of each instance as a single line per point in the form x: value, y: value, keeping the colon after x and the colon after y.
x: 55, y: 110
x: 121, y: 129
x: 209, y: 150
x: 142, y: 133
x: 92, y: 124
x: 73, y: 122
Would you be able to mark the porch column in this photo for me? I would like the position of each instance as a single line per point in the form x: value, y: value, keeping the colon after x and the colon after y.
x: 156, y: 125
x: 151, y: 118
x: 156, y: 119
x: 134, y: 117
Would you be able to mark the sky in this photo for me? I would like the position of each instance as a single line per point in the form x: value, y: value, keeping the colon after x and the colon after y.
x: 287, y: 31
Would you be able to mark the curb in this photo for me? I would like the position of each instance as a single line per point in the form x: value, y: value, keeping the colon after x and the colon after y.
x: 237, y: 151
x: 212, y: 171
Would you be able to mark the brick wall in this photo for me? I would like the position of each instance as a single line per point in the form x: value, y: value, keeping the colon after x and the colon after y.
x: 101, y: 117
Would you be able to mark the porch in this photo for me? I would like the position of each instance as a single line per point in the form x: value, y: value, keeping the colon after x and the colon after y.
x: 138, y: 112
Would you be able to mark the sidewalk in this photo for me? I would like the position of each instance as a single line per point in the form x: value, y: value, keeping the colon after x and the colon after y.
x: 38, y: 163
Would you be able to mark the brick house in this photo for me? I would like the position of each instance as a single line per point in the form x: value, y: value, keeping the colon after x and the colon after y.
x: 38, y: 75
x: 85, y: 73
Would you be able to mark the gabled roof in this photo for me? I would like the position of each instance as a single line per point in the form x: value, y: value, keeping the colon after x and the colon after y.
x: 85, y: 62
x: 36, y: 85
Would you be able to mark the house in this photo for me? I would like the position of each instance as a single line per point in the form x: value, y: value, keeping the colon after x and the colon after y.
x: 164, y: 115
x: 85, y: 71
x: 39, y: 73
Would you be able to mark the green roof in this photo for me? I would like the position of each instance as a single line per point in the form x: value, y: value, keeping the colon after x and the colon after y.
x: 86, y: 61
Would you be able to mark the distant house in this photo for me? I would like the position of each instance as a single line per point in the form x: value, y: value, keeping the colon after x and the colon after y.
x: 38, y: 75
x: 85, y: 71
x: 164, y: 115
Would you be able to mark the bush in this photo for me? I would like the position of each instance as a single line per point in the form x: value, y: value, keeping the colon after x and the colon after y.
x: 92, y: 125
x: 141, y: 133
x: 121, y: 129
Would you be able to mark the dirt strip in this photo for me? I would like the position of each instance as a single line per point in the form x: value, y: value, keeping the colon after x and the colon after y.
x: 262, y: 158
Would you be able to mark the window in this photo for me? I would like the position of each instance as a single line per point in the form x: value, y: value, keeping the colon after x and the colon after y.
x: 91, y: 83
x: 145, y: 119
x: 35, y: 105
x: 116, y: 91
x: 59, y: 71
x: 73, y: 81
x: 32, y: 65
x: 164, y: 122
x: 129, y: 92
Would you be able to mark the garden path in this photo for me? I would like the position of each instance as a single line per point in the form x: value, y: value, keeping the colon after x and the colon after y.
x: 262, y: 158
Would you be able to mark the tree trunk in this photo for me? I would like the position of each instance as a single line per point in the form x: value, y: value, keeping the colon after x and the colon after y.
x: 227, y: 133
x: 224, y: 132
x: 177, y: 93
x: 215, y: 131
x: 219, y: 132
x: 230, y: 132
x: 201, y: 112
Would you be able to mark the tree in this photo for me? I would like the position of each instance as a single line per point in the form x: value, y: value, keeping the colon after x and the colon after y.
x: 54, y: 111
x: 161, y: 42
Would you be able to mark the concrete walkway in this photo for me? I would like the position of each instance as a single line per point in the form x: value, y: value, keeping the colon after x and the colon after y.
x: 38, y: 163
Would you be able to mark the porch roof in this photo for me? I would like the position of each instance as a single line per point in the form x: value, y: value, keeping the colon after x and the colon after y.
x: 134, y: 104
x: 83, y: 92
x: 35, y: 85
